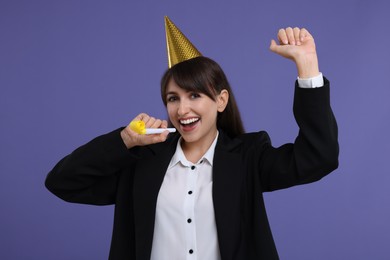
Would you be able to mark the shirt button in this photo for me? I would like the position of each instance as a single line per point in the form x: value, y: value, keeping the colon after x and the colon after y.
x: 191, y: 251
x: 190, y: 192
x: 189, y: 220
x: 193, y: 167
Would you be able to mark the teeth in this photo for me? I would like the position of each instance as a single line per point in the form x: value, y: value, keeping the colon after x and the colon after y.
x: 189, y: 121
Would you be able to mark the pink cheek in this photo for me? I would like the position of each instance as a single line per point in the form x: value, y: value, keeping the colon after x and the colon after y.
x: 171, y: 113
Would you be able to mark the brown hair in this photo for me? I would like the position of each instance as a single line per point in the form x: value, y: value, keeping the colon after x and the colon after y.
x: 203, y: 75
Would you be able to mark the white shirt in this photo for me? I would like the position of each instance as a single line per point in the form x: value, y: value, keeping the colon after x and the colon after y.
x: 185, y: 225
x: 314, y: 82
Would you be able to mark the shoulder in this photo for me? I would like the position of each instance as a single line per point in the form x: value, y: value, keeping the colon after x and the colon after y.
x: 247, y: 141
x: 261, y: 136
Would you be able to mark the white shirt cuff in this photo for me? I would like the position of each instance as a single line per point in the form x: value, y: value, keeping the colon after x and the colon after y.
x: 314, y: 82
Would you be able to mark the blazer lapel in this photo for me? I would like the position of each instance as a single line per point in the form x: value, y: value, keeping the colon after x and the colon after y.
x: 227, y: 193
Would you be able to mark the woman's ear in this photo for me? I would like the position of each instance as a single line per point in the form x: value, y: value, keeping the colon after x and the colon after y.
x: 222, y: 100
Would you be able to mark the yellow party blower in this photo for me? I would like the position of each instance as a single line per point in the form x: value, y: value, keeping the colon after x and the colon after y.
x: 138, y: 126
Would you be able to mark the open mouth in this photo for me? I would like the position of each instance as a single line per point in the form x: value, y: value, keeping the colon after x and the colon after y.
x: 189, y: 123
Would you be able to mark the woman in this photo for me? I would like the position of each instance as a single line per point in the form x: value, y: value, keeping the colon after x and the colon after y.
x: 197, y: 194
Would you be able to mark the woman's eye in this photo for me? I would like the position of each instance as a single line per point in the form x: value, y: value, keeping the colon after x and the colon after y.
x: 171, y: 99
x: 195, y: 95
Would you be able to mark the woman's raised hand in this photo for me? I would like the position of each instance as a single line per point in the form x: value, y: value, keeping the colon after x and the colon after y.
x: 298, y: 45
x: 131, y: 138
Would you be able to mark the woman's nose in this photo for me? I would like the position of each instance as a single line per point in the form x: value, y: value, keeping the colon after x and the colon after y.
x: 183, y: 109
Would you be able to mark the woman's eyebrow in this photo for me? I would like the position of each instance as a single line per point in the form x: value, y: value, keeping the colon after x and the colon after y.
x: 170, y: 93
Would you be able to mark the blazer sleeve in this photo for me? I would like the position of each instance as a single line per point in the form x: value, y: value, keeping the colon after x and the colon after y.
x: 90, y: 174
x: 315, y: 151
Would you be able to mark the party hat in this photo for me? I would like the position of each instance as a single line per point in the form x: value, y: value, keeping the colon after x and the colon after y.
x: 178, y: 46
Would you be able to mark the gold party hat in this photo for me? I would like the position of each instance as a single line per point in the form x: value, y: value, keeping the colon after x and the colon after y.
x: 178, y: 46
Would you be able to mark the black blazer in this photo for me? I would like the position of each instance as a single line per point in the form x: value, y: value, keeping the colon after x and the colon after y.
x: 104, y: 172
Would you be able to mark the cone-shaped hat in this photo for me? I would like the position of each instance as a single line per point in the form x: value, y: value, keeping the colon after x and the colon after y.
x: 178, y: 46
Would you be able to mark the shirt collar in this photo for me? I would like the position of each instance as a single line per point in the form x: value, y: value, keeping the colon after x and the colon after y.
x: 179, y: 156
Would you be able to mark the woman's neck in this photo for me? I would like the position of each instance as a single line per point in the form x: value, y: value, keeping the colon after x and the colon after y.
x: 194, y: 151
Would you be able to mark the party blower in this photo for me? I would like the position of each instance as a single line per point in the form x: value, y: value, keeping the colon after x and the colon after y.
x: 138, y: 126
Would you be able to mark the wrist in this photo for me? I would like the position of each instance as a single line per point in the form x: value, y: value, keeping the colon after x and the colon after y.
x: 126, y: 139
x: 307, y: 66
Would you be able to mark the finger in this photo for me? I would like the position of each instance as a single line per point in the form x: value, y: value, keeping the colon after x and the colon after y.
x: 158, y: 138
x: 149, y: 123
x: 282, y: 50
x: 156, y: 124
x: 296, y: 32
x: 290, y: 35
x: 282, y: 36
x: 164, y: 124
x: 163, y: 136
x: 143, y: 117
x: 304, y: 34
x: 273, y: 46
x: 130, y: 131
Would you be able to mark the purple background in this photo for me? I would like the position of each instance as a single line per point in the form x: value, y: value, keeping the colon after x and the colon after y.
x: 72, y: 70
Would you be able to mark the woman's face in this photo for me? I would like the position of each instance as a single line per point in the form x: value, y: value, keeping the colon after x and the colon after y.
x: 194, y: 114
